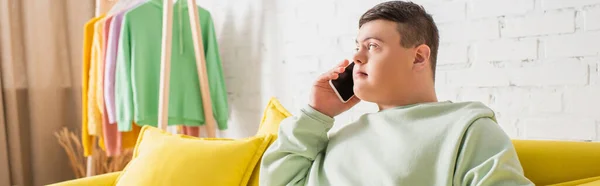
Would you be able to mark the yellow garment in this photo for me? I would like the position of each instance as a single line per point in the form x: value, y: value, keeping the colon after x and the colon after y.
x: 95, y: 109
x: 88, y: 36
x: 129, y: 138
x: 161, y: 158
x: 101, y: 31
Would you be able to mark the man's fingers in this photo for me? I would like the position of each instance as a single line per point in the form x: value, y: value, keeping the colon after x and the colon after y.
x: 328, y: 76
x: 334, y: 73
x: 343, y: 63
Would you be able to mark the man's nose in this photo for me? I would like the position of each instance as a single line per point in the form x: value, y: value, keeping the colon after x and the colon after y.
x: 359, y: 58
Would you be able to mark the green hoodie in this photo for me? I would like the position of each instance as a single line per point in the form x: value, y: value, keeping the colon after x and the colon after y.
x: 138, y: 69
x: 440, y: 143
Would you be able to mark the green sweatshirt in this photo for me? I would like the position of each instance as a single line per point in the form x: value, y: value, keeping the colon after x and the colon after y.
x: 138, y: 69
x: 440, y: 143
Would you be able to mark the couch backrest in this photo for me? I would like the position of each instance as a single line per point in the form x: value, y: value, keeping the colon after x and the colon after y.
x: 550, y: 162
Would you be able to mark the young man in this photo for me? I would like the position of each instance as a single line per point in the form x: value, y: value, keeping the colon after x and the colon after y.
x: 412, y: 140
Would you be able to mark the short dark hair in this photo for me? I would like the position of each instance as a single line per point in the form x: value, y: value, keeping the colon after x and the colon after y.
x: 415, y: 25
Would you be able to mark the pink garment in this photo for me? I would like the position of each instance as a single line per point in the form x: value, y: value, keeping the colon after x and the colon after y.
x: 191, y: 131
x: 112, y: 137
x: 111, y: 61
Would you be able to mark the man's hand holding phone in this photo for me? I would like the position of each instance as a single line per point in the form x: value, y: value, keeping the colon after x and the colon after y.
x: 325, y: 99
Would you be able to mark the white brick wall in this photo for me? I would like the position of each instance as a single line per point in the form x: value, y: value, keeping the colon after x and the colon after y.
x: 559, y: 4
x: 539, y: 24
x: 495, y: 8
x: 592, y: 18
x: 535, y: 62
x: 560, y: 128
x: 583, y: 102
x: 573, y: 45
x: 545, y: 101
x: 442, y: 12
x: 550, y: 74
x: 454, y: 53
x: 506, y: 49
x: 597, y: 130
x: 482, y: 29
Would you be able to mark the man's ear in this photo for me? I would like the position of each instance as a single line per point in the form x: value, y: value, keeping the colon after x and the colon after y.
x: 422, y: 57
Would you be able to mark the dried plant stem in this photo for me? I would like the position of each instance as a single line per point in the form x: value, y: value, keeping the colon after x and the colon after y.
x: 102, y: 163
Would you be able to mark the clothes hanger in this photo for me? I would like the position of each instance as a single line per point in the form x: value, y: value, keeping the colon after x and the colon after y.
x: 117, y: 6
x: 121, y: 5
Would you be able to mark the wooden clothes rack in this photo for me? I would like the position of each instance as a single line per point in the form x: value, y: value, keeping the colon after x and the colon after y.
x: 200, y: 64
x: 103, y: 6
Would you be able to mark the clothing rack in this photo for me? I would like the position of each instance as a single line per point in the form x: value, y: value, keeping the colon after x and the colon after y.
x: 200, y: 63
x: 103, y: 6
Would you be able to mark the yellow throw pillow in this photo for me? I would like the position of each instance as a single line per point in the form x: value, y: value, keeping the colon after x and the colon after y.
x: 161, y: 158
x: 272, y: 116
x: 256, y: 172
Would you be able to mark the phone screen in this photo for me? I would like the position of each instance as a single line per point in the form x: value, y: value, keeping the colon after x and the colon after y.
x: 344, y: 84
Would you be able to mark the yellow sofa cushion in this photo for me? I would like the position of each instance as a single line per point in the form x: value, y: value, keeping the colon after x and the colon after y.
x: 582, y: 182
x: 594, y: 183
x: 273, y: 114
x: 548, y: 162
x: 161, y: 158
x: 107, y: 179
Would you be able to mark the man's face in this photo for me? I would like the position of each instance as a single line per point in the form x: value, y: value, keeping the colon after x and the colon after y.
x: 383, y: 69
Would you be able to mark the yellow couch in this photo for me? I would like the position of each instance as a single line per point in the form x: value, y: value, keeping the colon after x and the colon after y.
x: 544, y: 162
x: 561, y: 163
x: 554, y: 162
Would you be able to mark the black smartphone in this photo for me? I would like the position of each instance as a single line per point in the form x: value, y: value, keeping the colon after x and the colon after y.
x: 343, y: 86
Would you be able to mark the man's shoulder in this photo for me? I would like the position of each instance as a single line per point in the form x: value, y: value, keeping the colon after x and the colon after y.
x: 455, y: 119
x: 468, y: 111
x: 445, y: 112
x: 471, y: 115
x: 468, y: 106
x: 455, y: 112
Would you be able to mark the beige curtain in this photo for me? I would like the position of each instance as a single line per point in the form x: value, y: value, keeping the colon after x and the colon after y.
x: 40, y: 71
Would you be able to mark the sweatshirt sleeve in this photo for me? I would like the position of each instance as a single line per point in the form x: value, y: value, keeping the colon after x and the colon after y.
x: 487, y: 157
x: 300, y: 139
x: 109, y: 72
x: 214, y: 70
x: 123, y: 87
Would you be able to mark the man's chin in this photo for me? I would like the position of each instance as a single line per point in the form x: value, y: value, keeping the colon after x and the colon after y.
x: 361, y: 94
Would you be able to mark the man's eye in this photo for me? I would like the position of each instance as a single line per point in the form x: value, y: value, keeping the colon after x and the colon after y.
x: 372, y: 46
